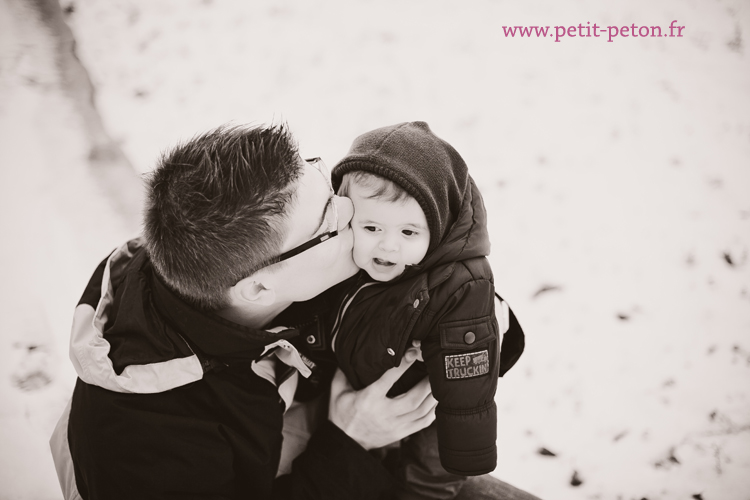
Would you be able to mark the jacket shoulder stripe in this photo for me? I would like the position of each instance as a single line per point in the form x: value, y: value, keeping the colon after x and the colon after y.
x: 89, y: 350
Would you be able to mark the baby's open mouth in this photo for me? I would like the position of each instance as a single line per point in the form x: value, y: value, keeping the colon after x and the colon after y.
x: 381, y: 262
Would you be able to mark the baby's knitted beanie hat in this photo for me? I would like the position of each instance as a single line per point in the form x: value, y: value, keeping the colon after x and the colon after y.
x: 425, y: 166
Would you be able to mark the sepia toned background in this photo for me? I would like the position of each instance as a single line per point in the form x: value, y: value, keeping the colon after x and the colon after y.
x: 616, y: 176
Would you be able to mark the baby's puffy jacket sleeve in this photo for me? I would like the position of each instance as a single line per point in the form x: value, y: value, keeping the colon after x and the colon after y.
x: 462, y: 353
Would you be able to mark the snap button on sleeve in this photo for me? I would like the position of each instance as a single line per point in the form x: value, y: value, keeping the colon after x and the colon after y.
x: 310, y: 339
x: 469, y: 338
x: 416, y: 303
x: 391, y: 351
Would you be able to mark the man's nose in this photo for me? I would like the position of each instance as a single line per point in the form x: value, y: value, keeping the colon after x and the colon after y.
x: 345, y: 210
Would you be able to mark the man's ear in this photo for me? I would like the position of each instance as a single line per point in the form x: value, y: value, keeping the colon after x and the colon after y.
x: 252, y: 290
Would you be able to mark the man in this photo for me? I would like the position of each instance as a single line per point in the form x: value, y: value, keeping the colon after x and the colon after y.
x: 184, y: 341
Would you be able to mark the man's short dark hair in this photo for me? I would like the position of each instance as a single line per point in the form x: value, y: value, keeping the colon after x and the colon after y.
x: 215, y: 206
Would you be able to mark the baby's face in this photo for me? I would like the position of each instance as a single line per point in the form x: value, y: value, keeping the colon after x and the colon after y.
x: 388, y: 236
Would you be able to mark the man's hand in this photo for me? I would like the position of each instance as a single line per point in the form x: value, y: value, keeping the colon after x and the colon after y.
x: 372, y: 419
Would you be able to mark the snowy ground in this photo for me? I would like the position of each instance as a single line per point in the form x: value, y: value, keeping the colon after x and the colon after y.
x: 616, y: 175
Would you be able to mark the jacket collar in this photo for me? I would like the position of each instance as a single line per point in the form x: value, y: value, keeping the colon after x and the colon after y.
x: 211, y: 333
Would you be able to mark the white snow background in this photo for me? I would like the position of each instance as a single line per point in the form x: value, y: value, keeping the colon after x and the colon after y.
x: 616, y: 177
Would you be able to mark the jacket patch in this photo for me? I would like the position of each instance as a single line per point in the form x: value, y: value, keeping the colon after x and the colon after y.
x: 468, y: 365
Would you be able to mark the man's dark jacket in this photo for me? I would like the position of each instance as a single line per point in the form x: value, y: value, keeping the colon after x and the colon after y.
x: 170, y: 404
x: 447, y: 301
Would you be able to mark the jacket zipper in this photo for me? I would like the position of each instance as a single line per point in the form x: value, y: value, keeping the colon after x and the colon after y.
x: 342, y: 310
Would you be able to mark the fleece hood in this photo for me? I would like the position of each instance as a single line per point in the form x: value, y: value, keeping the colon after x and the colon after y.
x: 434, y: 174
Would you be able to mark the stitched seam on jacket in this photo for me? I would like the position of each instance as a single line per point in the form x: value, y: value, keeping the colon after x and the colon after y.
x: 484, y: 451
x: 473, y: 411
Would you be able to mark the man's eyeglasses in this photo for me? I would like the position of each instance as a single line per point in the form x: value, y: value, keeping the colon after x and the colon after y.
x: 331, y: 217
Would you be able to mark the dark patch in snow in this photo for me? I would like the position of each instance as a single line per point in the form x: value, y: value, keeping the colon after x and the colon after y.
x: 690, y: 260
x: 33, y: 371
x: 739, y: 352
x: 698, y: 496
x: 667, y: 462
x: 576, y: 479
x: 728, y: 259
x: 140, y: 93
x: 717, y: 456
x: 620, y: 436
x: 623, y: 316
x: 32, y: 381
x: 735, y: 258
x: 545, y: 289
x: 735, y: 44
x: 545, y: 452
x: 711, y: 350
x: 69, y: 9
x: 668, y: 383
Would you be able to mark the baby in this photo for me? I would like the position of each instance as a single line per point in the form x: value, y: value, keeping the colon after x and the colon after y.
x: 420, y: 236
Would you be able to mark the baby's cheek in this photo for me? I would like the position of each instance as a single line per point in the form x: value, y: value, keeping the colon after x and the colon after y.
x: 358, y: 253
x: 359, y: 256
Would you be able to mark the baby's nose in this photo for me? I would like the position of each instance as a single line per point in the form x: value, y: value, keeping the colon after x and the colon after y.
x: 388, y: 244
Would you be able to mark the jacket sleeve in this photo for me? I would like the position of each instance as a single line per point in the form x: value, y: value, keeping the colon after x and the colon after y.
x: 334, y: 466
x: 463, y: 358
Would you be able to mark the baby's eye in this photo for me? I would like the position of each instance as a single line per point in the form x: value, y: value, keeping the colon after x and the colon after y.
x: 370, y: 229
x: 409, y: 232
